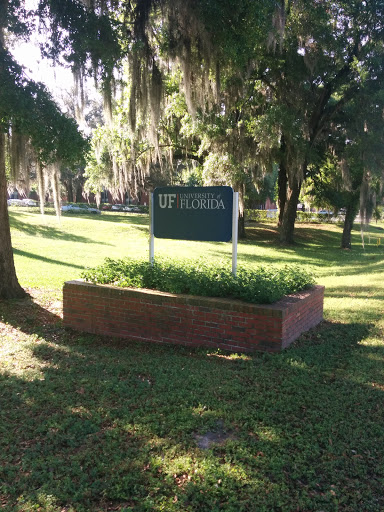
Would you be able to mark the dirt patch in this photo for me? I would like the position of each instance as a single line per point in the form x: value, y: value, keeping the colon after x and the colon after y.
x: 219, y: 436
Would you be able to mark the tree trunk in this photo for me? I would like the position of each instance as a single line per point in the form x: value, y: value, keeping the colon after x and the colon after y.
x: 241, y: 226
x: 350, y: 215
x: 282, y: 182
x: 282, y: 185
x: 287, y: 224
x: 69, y: 189
x: 346, y: 237
x: 79, y: 193
x: 240, y: 188
x: 291, y: 172
x: 9, y: 285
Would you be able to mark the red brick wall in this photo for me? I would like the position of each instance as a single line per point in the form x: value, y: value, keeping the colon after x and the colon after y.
x: 186, y: 320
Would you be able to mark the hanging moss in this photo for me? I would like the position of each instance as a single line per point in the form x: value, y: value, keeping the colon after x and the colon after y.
x: 18, y: 158
x: 54, y: 174
x: 41, y: 185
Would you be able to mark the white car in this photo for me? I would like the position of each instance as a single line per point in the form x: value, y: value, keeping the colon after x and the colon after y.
x: 120, y: 208
x: 14, y: 202
x: 79, y: 208
x: 29, y: 202
x: 21, y: 202
x: 272, y: 214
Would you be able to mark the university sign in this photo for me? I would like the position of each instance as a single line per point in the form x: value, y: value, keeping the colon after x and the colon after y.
x: 193, y: 213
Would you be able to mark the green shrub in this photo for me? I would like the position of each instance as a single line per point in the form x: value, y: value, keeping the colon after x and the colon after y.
x: 263, y: 285
x: 306, y: 217
x: 143, y: 208
x: 261, y: 215
x: 271, y: 216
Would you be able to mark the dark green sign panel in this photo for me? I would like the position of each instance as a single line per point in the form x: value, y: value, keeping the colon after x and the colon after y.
x: 193, y: 213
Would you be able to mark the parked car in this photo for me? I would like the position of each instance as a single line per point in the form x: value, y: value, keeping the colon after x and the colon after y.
x: 272, y: 214
x: 21, y: 202
x: 126, y: 208
x: 119, y: 208
x: 29, y: 202
x: 79, y: 208
x: 14, y: 202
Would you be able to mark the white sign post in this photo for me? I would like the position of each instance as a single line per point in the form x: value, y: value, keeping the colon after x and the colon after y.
x: 235, y: 231
x: 151, y: 235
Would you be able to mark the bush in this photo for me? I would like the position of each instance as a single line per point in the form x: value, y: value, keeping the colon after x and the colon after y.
x: 301, y: 217
x: 261, y: 215
x: 263, y: 285
x: 306, y: 217
x: 143, y: 208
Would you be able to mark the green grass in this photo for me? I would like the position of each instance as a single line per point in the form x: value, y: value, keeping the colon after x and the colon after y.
x: 97, y: 424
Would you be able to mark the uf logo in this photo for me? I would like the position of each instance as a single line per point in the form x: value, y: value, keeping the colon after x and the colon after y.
x: 166, y: 200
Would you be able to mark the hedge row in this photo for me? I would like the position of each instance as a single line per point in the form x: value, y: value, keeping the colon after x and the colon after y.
x: 263, y: 285
x: 272, y: 216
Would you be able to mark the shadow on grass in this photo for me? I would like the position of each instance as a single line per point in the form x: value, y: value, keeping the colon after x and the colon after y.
x: 356, y: 292
x: 121, y: 218
x: 26, y: 254
x: 129, y: 218
x: 96, y: 423
x: 17, y: 223
x: 317, y: 246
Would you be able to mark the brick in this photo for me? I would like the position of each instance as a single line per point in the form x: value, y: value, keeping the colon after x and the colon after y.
x: 179, y: 319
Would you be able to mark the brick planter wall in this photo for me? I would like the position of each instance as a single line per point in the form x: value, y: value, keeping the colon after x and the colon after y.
x: 193, y: 321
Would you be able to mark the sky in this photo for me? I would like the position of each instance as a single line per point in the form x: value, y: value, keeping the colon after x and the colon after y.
x: 58, y: 79
x: 55, y: 78
x: 28, y: 55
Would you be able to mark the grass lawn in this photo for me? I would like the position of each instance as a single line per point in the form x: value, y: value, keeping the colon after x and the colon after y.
x: 97, y: 424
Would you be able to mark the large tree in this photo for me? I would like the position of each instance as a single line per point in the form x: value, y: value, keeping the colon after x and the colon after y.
x: 321, y: 55
x: 28, y: 113
x: 263, y: 81
x: 191, y: 93
x: 352, y: 169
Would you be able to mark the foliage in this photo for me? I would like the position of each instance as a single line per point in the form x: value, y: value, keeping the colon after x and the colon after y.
x: 321, y: 67
x: 98, y: 170
x: 260, y: 188
x: 263, y: 285
x: 252, y: 215
x: 83, y: 36
x: 177, y: 115
x: 350, y: 171
x: 270, y: 216
x: 377, y: 213
x: 27, y: 108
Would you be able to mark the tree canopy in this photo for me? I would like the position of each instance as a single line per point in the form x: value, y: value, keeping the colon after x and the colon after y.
x: 262, y: 83
x: 29, y: 121
x: 230, y: 91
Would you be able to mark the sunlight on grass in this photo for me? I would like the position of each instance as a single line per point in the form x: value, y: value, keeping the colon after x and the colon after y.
x: 20, y: 361
x: 49, y: 252
x: 91, y: 424
x: 230, y: 357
